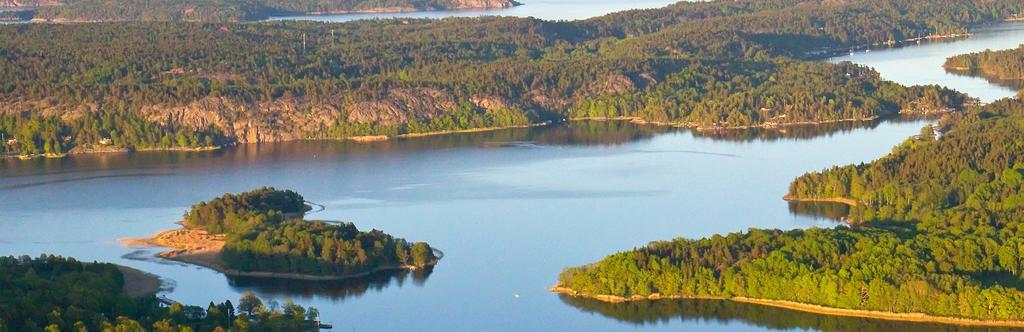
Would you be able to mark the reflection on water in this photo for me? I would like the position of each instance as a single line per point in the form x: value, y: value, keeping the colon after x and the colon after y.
x: 541, y: 9
x: 575, y: 133
x: 820, y: 210
x: 798, y: 131
x: 1015, y: 84
x: 652, y: 313
x: 333, y: 289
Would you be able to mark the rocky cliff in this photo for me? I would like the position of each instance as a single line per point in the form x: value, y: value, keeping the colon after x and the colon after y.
x: 27, y: 3
x: 295, y: 119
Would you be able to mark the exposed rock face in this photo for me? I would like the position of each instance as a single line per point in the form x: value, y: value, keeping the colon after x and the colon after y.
x: 489, y: 103
x: 611, y: 85
x: 27, y: 3
x: 477, y: 4
x: 280, y: 120
x: 402, y: 105
x: 293, y: 119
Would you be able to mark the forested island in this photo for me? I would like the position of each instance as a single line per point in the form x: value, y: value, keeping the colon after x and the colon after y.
x: 936, y: 236
x: 52, y: 293
x: 707, y: 65
x: 261, y: 233
x: 1004, y: 66
x: 68, y: 11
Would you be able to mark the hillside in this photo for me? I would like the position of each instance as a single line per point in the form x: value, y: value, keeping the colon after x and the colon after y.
x: 227, y: 10
x: 937, y: 237
x: 162, y: 85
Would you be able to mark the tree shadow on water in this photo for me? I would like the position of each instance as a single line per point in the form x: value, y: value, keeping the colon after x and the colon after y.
x: 333, y: 289
x: 649, y: 313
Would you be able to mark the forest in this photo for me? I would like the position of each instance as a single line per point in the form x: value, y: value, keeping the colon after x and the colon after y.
x: 997, y: 66
x: 708, y: 64
x: 52, y: 293
x: 231, y: 10
x: 937, y: 229
x: 264, y: 232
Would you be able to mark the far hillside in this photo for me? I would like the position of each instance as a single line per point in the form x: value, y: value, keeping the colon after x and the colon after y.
x: 228, y: 10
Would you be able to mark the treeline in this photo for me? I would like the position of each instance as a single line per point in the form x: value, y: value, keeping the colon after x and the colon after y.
x: 722, y: 63
x: 939, y: 232
x: 745, y: 94
x: 320, y: 248
x: 51, y: 135
x: 971, y: 174
x: 227, y: 10
x: 52, y: 293
x: 229, y: 213
x: 938, y: 273
x: 993, y: 65
x: 264, y: 234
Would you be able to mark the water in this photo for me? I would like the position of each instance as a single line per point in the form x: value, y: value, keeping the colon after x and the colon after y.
x: 922, y: 64
x: 509, y: 208
x: 542, y: 9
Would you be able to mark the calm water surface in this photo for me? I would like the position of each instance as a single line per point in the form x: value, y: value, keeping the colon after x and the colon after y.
x: 542, y: 9
x: 510, y: 209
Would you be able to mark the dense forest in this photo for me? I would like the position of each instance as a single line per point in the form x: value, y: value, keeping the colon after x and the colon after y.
x: 52, y: 293
x: 707, y: 64
x: 939, y: 232
x: 235, y: 10
x: 264, y: 234
x: 997, y: 66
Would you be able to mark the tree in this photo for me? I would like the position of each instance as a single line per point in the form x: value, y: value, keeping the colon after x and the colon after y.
x: 422, y: 254
x: 249, y: 303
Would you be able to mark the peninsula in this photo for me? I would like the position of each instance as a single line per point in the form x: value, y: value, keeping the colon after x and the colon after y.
x: 1004, y: 67
x: 937, y: 238
x: 261, y: 233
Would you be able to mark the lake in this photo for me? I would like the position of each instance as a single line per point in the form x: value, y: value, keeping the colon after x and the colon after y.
x: 541, y: 9
x: 510, y: 209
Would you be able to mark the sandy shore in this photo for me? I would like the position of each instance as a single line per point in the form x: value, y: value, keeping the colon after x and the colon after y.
x: 841, y: 200
x: 138, y: 283
x: 805, y: 307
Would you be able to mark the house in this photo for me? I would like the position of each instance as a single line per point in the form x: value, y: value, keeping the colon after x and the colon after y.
x: 106, y: 141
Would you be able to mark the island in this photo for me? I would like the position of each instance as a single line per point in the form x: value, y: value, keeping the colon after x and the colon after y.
x: 935, y: 235
x: 54, y: 293
x: 1004, y: 67
x: 261, y: 233
x: 705, y: 65
x: 79, y: 11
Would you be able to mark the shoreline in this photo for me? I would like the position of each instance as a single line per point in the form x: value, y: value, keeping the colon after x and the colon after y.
x: 804, y: 307
x: 138, y: 283
x: 197, y: 247
x: 779, y: 126
x: 93, y: 151
x: 702, y: 128
x: 841, y: 200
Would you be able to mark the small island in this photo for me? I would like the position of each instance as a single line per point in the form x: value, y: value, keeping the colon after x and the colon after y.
x: 935, y: 235
x: 261, y: 233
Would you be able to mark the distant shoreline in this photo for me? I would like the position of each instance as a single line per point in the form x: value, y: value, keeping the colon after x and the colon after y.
x: 700, y: 127
x: 841, y: 200
x: 805, y: 307
x: 91, y: 151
